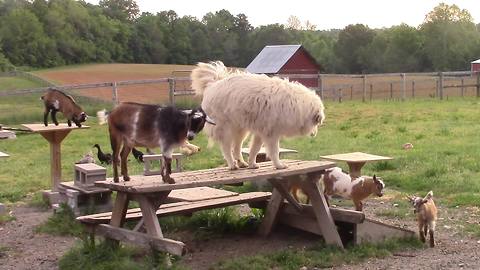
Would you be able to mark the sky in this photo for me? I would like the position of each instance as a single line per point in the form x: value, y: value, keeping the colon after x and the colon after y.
x: 324, y: 14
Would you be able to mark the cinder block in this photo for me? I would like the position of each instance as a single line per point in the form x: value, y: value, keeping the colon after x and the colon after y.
x: 82, y: 203
x: 3, y: 209
x: 87, y: 174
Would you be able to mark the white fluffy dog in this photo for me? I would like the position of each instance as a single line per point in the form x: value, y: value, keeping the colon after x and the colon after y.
x: 267, y: 107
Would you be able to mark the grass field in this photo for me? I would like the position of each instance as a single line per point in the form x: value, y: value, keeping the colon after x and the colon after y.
x: 444, y: 157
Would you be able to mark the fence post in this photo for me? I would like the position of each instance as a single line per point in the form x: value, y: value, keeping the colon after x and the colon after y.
x: 351, y: 92
x: 391, y: 90
x: 440, y: 84
x: 371, y: 91
x: 404, y: 86
x: 114, y: 93
x: 339, y: 95
x: 478, y: 84
x: 171, y: 91
x: 320, y: 85
x: 463, y: 88
x: 413, y: 89
x: 364, y: 97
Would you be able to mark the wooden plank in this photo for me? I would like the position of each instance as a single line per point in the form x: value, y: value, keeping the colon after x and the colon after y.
x: 84, y: 189
x: 3, y: 155
x: 41, y: 128
x: 320, y: 208
x: 304, y: 223
x: 180, y: 208
x: 147, y: 184
x: 199, y: 194
x: 375, y: 231
x: 141, y: 239
x: 271, y: 214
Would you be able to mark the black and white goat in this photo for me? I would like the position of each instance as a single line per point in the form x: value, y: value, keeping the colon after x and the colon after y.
x: 134, y: 124
x: 57, y: 101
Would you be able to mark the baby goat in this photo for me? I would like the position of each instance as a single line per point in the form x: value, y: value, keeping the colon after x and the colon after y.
x: 57, y: 101
x: 339, y: 183
x: 426, y: 216
x: 133, y: 124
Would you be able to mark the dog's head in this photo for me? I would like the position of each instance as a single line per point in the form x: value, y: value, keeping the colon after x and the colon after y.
x: 317, y: 120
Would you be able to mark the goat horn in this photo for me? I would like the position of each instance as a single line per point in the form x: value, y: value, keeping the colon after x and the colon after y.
x: 210, y: 120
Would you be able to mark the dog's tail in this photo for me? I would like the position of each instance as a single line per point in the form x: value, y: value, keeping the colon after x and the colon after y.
x: 205, y: 74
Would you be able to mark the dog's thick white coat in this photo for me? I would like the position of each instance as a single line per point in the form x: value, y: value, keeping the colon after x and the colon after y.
x: 267, y: 107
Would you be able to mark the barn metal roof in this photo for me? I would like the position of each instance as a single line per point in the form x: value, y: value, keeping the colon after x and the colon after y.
x: 272, y: 58
x: 476, y: 61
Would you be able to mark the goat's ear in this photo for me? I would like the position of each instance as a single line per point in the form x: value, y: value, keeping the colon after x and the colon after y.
x: 428, y: 196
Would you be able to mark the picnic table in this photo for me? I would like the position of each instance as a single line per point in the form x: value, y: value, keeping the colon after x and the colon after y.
x: 54, y: 135
x: 152, y: 195
x: 355, y: 161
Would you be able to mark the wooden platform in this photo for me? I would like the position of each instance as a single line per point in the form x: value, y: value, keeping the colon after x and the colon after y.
x: 154, y: 183
x: 41, y: 128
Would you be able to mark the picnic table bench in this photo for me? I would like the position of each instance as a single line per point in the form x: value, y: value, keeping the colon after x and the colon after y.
x: 152, y: 195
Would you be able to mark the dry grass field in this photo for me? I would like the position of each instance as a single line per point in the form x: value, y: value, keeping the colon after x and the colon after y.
x: 99, y: 73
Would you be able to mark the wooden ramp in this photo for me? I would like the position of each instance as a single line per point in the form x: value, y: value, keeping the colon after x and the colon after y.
x: 352, y: 226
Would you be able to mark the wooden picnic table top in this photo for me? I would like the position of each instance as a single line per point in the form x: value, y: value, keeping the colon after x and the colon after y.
x: 208, y: 177
x: 3, y: 155
x: 355, y: 157
x: 41, y: 128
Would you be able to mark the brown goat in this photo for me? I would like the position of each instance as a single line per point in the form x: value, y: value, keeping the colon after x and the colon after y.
x: 426, y: 216
x: 336, y: 182
x: 57, y: 101
x: 151, y: 126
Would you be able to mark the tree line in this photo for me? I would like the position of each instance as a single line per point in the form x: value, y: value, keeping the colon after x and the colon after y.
x: 50, y: 33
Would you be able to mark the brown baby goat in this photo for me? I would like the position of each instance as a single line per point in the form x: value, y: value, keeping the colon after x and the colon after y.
x: 426, y: 216
x: 57, y: 101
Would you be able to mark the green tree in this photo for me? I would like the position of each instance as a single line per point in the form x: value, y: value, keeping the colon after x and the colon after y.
x: 351, y: 46
x: 451, y: 38
x: 122, y: 10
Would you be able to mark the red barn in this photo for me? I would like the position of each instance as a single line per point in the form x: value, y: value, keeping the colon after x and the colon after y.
x: 475, y: 66
x: 286, y: 60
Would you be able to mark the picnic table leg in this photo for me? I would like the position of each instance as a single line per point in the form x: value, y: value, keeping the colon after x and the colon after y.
x: 118, y: 213
x: 149, y: 206
x: 321, y: 210
x: 271, y: 214
x: 284, y: 191
x: 156, y: 204
x: 355, y: 169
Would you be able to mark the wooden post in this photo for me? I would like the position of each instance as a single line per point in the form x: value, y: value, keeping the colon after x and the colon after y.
x: 339, y: 95
x: 462, y: 91
x: 320, y: 85
x: 351, y: 92
x: 171, y: 91
x: 440, y: 84
x: 478, y: 84
x: 114, y: 93
x: 55, y: 140
x: 371, y: 91
x: 404, y: 86
x: 391, y: 90
x: 413, y: 89
x: 364, y: 96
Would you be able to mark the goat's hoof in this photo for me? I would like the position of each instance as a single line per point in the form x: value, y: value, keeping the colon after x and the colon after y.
x: 169, y: 180
x: 115, y: 180
x: 46, y: 124
x: 253, y: 166
x: 56, y: 124
x: 233, y: 167
x: 126, y: 178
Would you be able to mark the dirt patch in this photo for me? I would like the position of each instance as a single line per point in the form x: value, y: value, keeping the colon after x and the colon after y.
x: 22, y: 248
